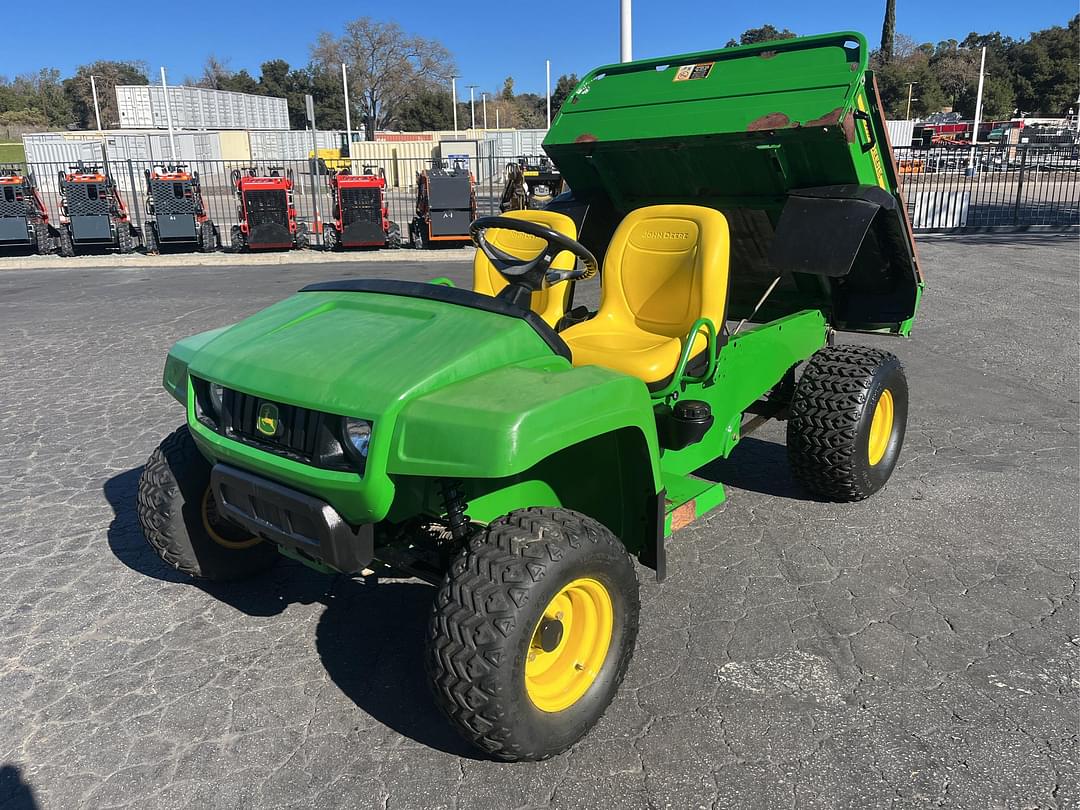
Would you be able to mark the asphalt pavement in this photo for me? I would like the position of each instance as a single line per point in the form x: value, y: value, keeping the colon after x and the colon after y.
x: 918, y: 649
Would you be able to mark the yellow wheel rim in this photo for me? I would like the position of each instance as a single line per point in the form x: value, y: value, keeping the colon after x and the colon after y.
x: 558, y: 678
x: 208, y: 510
x: 881, y: 427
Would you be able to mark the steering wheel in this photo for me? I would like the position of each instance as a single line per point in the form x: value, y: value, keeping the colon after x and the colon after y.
x: 529, y: 275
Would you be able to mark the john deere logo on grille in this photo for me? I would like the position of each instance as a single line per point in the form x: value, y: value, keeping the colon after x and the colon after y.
x: 268, y: 423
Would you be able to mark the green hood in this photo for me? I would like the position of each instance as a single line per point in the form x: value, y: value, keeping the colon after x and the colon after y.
x: 361, y: 353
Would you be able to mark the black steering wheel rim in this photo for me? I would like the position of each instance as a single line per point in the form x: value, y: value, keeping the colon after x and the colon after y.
x: 532, y: 272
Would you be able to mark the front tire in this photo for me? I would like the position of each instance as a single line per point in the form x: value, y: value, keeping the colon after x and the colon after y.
x: 532, y: 632
x: 848, y: 418
x: 179, y: 517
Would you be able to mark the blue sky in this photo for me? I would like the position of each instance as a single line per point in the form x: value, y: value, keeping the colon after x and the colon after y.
x: 490, y: 40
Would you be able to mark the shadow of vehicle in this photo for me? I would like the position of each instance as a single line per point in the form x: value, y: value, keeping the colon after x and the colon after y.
x: 370, y: 637
x: 371, y: 641
x: 15, y: 793
x: 757, y: 465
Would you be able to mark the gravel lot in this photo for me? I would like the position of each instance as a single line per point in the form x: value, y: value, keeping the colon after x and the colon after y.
x: 916, y: 650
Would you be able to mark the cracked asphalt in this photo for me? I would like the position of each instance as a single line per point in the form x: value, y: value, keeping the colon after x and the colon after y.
x: 918, y: 649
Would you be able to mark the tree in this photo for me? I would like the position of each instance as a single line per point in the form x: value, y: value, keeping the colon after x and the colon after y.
x: 386, y: 66
x: 44, y: 92
x: 507, y: 92
x: 888, y: 31
x: 107, y: 74
x: 429, y: 108
x: 563, y: 88
x: 766, y: 33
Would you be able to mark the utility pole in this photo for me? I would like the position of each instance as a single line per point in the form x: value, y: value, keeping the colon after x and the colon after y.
x: 978, y: 112
x: 348, y: 118
x: 97, y: 111
x: 483, y: 99
x: 168, y: 117
x: 497, y: 118
x: 547, y: 62
x: 453, y: 97
x: 625, y: 32
x: 472, y: 103
x: 309, y: 108
x: 910, y: 87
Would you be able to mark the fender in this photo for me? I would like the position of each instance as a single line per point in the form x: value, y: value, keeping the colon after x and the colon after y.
x: 506, y: 421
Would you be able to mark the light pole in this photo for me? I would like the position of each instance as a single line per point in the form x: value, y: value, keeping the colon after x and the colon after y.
x: 547, y: 63
x: 453, y: 98
x: 910, y: 87
x: 348, y: 118
x: 978, y: 112
x: 625, y: 33
x: 168, y: 117
x: 97, y: 110
x: 483, y: 100
x: 472, y: 103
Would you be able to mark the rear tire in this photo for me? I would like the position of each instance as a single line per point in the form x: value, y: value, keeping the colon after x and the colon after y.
x: 125, y: 239
x: 150, y: 240
x: 507, y: 685
x: 848, y: 418
x: 179, y: 517
x: 331, y: 238
x: 393, y: 236
x: 300, y: 241
x: 237, y: 242
x: 207, y: 237
x: 42, y: 240
x: 65, y: 244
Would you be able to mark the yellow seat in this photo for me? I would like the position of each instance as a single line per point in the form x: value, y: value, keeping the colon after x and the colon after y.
x: 666, y: 266
x: 550, y: 302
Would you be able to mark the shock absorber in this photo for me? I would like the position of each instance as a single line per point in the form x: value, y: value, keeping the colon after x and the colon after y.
x: 456, y: 519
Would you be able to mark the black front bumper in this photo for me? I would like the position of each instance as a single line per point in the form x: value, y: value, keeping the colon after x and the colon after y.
x: 291, y: 519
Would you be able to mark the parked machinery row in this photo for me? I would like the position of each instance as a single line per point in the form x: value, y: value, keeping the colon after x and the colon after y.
x: 94, y: 216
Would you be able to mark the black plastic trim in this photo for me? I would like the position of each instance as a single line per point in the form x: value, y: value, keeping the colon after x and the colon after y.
x: 447, y: 295
x: 292, y: 519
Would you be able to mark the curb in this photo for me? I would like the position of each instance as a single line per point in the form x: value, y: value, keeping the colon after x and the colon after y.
x: 222, y: 259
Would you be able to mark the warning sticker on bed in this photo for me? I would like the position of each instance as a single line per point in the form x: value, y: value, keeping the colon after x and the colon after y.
x: 687, y: 72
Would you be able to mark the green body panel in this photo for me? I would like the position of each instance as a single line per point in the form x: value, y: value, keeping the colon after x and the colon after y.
x: 759, y: 124
x: 452, y: 392
x: 501, y: 423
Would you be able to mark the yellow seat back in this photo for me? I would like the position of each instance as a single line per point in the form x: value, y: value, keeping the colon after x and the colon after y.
x: 550, y: 302
x: 667, y: 266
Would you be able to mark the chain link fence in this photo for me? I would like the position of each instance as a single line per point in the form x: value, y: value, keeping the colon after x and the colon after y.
x: 312, y: 196
x: 945, y: 188
x: 991, y: 186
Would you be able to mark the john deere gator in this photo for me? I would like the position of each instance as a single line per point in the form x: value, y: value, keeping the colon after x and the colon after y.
x: 740, y: 208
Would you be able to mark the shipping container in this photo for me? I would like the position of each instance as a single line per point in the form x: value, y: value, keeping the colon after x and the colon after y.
x: 900, y: 132
x: 143, y: 107
x: 286, y: 144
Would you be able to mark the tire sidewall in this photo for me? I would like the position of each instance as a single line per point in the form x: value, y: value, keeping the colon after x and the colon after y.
x: 172, y: 487
x: 889, y: 375
x: 558, y: 730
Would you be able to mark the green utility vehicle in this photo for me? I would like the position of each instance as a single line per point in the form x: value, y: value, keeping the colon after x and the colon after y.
x: 740, y: 207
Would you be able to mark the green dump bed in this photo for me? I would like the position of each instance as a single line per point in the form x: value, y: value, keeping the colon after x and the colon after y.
x: 786, y: 138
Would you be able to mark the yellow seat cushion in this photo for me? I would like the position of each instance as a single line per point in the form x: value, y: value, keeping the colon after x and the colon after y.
x: 666, y: 266
x: 550, y: 302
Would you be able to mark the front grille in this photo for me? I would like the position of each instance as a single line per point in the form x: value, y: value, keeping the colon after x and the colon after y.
x: 304, y: 435
x: 361, y: 205
x: 299, y: 426
x: 266, y: 208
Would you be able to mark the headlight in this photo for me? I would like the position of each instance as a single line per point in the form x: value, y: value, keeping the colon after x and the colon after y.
x: 358, y: 435
x: 217, y: 393
x: 208, y: 401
